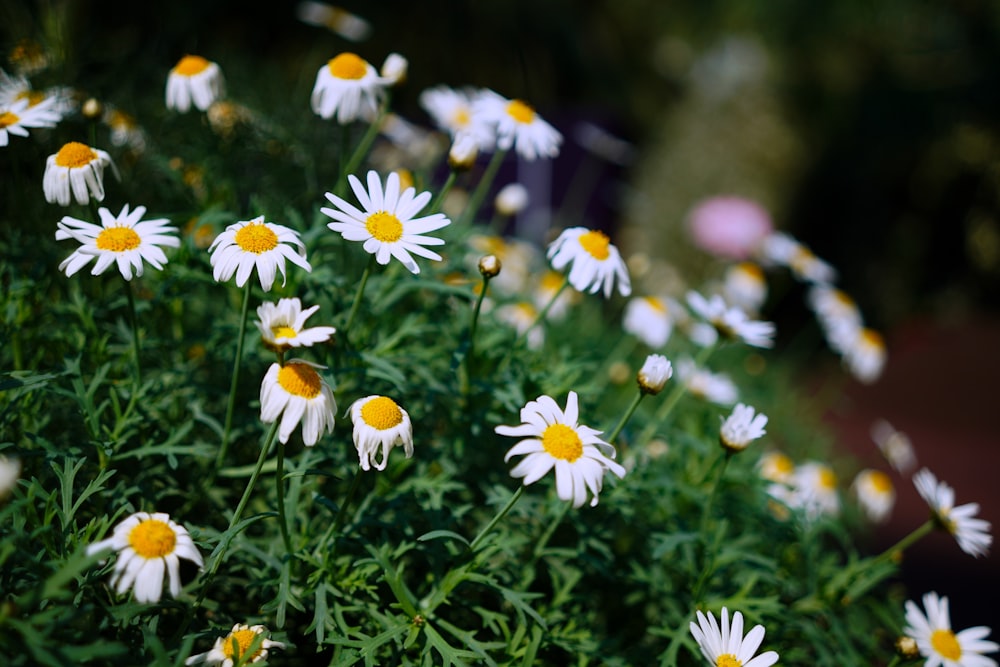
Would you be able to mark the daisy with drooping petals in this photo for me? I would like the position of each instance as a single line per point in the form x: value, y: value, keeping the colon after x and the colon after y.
x: 281, y: 325
x: 596, y: 262
x: 194, y: 80
x: 148, y: 546
x: 741, y: 428
x: 648, y: 318
x: 76, y: 172
x: 972, y: 534
x: 348, y: 86
x: 731, y: 323
x: 875, y: 494
x: 223, y: 654
x: 726, y: 646
x: 380, y: 424
x: 121, y: 239
x: 297, y: 393
x: 939, y: 644
x: 21, y: 114
x: 387, y: 225
x: 555, y: 439
x: 518, y: 126
x: 255, y: 243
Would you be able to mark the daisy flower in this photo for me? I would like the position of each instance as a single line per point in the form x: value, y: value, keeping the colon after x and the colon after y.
x: 648, y: 319
x: 556, y: 439
x: 523, y: 317
x: 19, y: 115
x: 741, y: 428
x: 744, y: 287
x: 338, y: 20
x: 814, y: 490
x: 125, y: 131
x: 726, y: 646
x: 387, y: 225
x: 453, y: 111
x: 653, y: 375
x: 297, y: 393
x: 380, y: 424
x: 394, y: 69
x: 223, y: 655
x: 939, y: 644
x: 895, y: 446
x: 511, y: 199
x: 10, y: 472
x: 546, y: 289
x: 834, y: 308
x: 864, y: 353
x: 463, y: 152
x: 875, y: 494
x: 194, y: 80
x: 148, y: 546
x: 713, y: 387
x: 255, y: 243
x: 124, y: 239
x: 596, y: 262
x: 776, y: 467
x: 972, y: 534
x: 518, y: 126
x: 348, y: 86
x: 281, y: 325
x: 76, y: 172
x: 731, y: 323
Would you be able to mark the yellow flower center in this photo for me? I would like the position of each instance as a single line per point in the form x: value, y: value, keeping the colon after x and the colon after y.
x: 256, y: 238
x: 191, y: 65
x: 562, y: 442
x: 118, y: 239
x: 153, y: 539
x: 381, y: 413
x: 596, y: 243
x: 300, y: 380
x: 751, y: 270
x: 782, y: 464
x: 8, y: 118
x: 827, y: 479
x: 656, y: 304
x: 551, y: 281
x: 880, y: 481
x: 283, y: 332
x: 74, y: 154
x: 872, y: 339
x: 405, y: 178
x: 946, y: 645
x: 727, y: 660
x: 243, y: 638
x: 461, y: 117
x: 384, y: 226
x: 520, y: 111
x: 348, y: 66
x: 843, y: 299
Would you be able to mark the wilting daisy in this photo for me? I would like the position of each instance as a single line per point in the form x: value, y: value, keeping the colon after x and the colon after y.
x: 523, y: 316
x: 124, y: 239
x: 653, y: 375
x: 194, y: 80
x: 76, y: 172
x: 556, y: 439
x: 939, y: 644
x: 297, y: 393
x: 348, y: 86
x: 875, y: 494
x: 379, y: 425
x: 741, y: 428
x: 255, y: 243
x: 148, y: 546
x: 518, y: 125
x: 708, y: 386
x: 648, y: 318
x: 972, y: 534
x: 895, y: 446
x: 19, y: 115
x: 731, y: 323
x: 596, y: 262
x: 726, y: 646
x: 453, y: 111
x: 281, y: 325
x: 223, y: 655
x: 387, y: 225
x: 744, y: 287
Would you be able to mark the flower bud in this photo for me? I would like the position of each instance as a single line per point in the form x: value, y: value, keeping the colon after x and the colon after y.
x: 907, y: 647
x: 511, y: 200
x: 394, y: 69
x: 489, y: 266
x: 464, y: 150
x: 92, y: 108
x: 655, y: 372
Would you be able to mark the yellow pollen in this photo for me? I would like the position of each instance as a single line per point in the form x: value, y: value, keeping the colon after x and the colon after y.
x: 880, y: 481
x: 118, y: 239
x: 243, y: 638
x: 153, y: 539
x: 843, y: 299
x: 74, y: 154
x: 946, y: 645
x: 8, y: 118
x: 552, y: 280
x: 827, y: 479
x: 656, y: 304
x: 782, y: 464
x: 727, y: 660
x: 595, y: 243
x: 256, y: 238
x: 872, y: 338
x: 33, y: 96
x: 381, y: 413
x: 283, y: 332
x: 520, y: 111
x: 405, y: 178
x: 384, y: 226
x: 562, y: 442
x: 191, y: 65
x: 348, y: 66
x: 751, y: 270
x: 300, y: 380
x: 461, y: 117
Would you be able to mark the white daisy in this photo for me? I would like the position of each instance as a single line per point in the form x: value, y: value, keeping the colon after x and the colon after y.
x: 939, y: 644
x: 814, y: 490
x: 125, y: 131
x: 596, y: 262
x: 834, y: 308
x: 518, y: 126
x: 726, y: 646
x: 296, y: 392
x: 653, y: 375
x: 741, y: 428
x: 546, y: 289
x: 350, y: 26
x: 281, y: 325
x: 781, y: 249
x: 555, y: 438
x: 387, y: 225
x: 394, y: 69
x: 895, y: 446
x: 76, y: 172
x: 121, y: 239
x: 223, y: 654
x: 522, y: 316
x: 511, y: 199
x: 255, y: 243
x: 380, y: 424
x: 708, y: 386
x: 648, y: 318
x: 972, y: 534
x: 21, y: 114
x: 776, y: 467
x: 348, y: 86
x: 453, y: 111
x: 731, y: 323
x: 194, y: 80
x: 148, y: 546
x: 744, y: 287
x: 864, y: 353
x: 875, y: 494
x: 10, y: 472
x: 463, y: 152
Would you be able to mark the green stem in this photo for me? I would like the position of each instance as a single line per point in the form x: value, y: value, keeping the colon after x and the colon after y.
x: 279, y: 479
x: 703, y: 530
x: 221, y: 456
x: 436, y: 204
x: 486, y: 531
x: 548, y: 306
x: 133, y: 323
x: 549, y: 532
x: 625, y: 417
x: 467, y: 362
x: 358, y: 294
x: 338, y: 523
x: 476, y: 200
x: 907, y: 541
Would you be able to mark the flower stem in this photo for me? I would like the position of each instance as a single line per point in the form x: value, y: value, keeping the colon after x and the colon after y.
x: 625, y: 417
x: 703, y: 530
x: 486, y: 531
x: 680, y: 388
x: 338, y: 522
x: 359, y: 293
x: 548, y: 306
x: 436, y: 204
x: 279, y: 480
x: 907, y: 541
x: 133, y: 323
x: 221, y: 456
x: 476, y: 200
x: 549, y: 532
x: 467, y: 362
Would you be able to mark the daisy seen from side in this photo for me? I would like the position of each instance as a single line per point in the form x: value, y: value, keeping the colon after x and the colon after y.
x: 972, y: 534
x: 704, y: 384
x: 296, y: 392
x: 648, y: 318
x: 348, y: 87
x: 726, y: 646
x: 936, y: 641
x: 596, y: 263
x: 75, y: 173
x: 19, y: 115
x: 518, y: 126
x: 250, y: 244
x: 379, y: 425
x: 282, y: 325
x: 454, y: 112
x: 895, y: 446
x: 741, y: 428
x: 653, y: 375
x: 731, y: 323
x: 223, y: 654
x: 875, y: 494
x: 194, y: 81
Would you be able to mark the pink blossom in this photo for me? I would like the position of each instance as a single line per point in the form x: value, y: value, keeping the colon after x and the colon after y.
x: 729, y: 227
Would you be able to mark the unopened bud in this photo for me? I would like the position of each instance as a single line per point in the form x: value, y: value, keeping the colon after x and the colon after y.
x: 489, y: 266
x: 394, y: 69
x: 907, y: 647
x: 511, y: 200
x: 464, y: 150
x: 654, y: 374
x: 92, y: 108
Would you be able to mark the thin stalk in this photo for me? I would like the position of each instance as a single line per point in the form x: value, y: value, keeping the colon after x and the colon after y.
x: 548, y: 306
x: 358, y: 294
x: 341, y: 518
x: 133, y: 323
x: 625, y: 417
x: 476, y: 200
x: 907, y: 541
x: 486, y: 531
x: 221, y: 456
x: 436, y: 204
x: 703, y: 530
x: 549, y: 532
x: 279, y: 480
x: 467, y: 362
